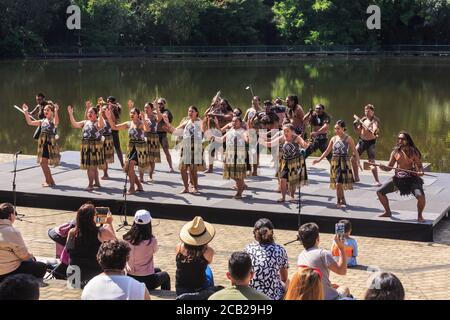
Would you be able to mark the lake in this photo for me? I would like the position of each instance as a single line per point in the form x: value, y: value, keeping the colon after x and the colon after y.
x: 411, y: 93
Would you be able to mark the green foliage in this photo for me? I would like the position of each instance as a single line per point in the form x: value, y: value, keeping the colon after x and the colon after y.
x: 31, y: 26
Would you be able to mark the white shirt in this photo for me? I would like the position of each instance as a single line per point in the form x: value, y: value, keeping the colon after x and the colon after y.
x: 114, y: 287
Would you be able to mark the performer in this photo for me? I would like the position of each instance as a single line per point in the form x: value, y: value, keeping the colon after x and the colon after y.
x: 161, y: 104
x: 319, y: 121
x: 191, y: 158
x: 152, y: 116
x: 292, y: 167
x: 137, y: 150
x: 341, y: 175
x: 92, y: 153
x: 408, y: 157
x: 48, y: 149
x: 38, y: 111
x: 116, y: 110
x: 295, y: 115
x: 368, y: 129
x: 220, y: 108
x: 235, y: 166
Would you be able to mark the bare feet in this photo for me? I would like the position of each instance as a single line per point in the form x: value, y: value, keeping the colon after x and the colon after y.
x: 140, y: 190
x: 97, y: 185
x: 281, y: 200
x: 254, y: 174
x: 195, y: 190
x: 90, y: 188
x: 376, y: 184
x: 105, y: 177
x: 386, y: 215
x: 171, y: 170
x: 45, y: 185
x: 184, y: 191
x: 292, y: 200
x: 237, y: 196
x: 420, y: 219
x: 357, y: 180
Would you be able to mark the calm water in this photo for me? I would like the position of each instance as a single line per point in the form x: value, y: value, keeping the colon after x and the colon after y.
x: 408, y: 93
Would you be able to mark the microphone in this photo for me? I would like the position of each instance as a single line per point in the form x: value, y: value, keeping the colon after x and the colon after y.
x: 18, y: 152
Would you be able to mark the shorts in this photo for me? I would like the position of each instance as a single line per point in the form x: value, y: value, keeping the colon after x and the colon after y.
x: 163, y: 140
x: 45, y: 152
x: 367, y: 145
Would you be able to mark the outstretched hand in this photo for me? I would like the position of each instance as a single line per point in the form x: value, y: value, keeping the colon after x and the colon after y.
x: 130, y: 104
x: 70, y: 109
x: 88, y: 104
x: 56, y: 107
x: 25, y: 107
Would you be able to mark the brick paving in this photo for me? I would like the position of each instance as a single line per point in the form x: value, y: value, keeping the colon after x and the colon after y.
x: 422, y: 267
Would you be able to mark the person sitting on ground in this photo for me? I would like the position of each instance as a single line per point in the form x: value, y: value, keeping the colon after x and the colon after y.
x: 314, y: 257
x: 351, y: 246
x: 84, y: 241
x: 143, y: 246
x: 306, y: 284
x: 113, y: 284
x: 385, y: 286
x: 14, y: 255
x: 193, y: 274
x: 19, y: 287
x: 269, y: 260
x: 239, y: 273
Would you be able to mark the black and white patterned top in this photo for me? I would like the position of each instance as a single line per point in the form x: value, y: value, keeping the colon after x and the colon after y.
x: 340, y: 147
x: 48, y: 126
x: 91, y: 131
x: 267, y: 260
x: 135, y: 133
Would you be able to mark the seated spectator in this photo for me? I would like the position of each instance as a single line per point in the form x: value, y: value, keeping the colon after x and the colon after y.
x: 322, y: 259
x: 306, y: 284
x: 193, y: 274
x: 269, y: 260
x: 239, y: 273
x: 113, y: 284
x: 84, y: 241
x: 19, y: 287
x: 143, y: 246
x: 350, y: 246
x: 14, y: 255
x: 385, y: 286
x: 59, y: 236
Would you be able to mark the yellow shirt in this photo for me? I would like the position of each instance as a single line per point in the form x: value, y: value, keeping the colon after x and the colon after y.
x: 12, y: 247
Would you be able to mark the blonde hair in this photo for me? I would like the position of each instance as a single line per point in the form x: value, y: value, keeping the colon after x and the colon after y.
x: 306, y: 284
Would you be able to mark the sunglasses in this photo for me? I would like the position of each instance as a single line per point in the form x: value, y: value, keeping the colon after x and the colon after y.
x: 315, y: 269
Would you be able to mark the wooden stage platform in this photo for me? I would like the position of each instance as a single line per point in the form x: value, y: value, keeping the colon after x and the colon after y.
x: 215, y: 201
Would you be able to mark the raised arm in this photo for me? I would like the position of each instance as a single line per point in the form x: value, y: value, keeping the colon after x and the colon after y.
x: 73, y: 122
x: 101, y: 121
x: 56, y: 118
x: 30, y: 122
x: 113, y: 126
x: 87, y: 105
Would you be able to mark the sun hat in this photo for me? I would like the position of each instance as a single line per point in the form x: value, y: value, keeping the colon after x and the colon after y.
x: 197, y: 232
x: 142, y: 217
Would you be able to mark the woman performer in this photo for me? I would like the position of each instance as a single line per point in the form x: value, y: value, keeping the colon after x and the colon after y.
x: 48, y: 149
x: 153, y: 147
x: 137, y: 151
x: 292, y: 167
x: 192, y: 150
x: 92, y: 153
x: 235, y: 166
x: 341, y: 174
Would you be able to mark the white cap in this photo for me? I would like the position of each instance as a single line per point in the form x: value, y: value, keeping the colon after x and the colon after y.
x: 142, y: 217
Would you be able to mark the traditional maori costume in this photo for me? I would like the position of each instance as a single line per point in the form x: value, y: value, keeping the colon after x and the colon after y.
x: 153, y: 146
x: 341, y: 169
x: 108, y: 143
x: 192, y: 147
x: 293, y: 165
x: 137, y: 149
x: 47, y: 145
x: 406, y: 183
x: 235, y: 166
x: 92, y: 149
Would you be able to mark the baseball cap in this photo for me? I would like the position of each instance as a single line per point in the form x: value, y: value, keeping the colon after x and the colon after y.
x: 142, y: 217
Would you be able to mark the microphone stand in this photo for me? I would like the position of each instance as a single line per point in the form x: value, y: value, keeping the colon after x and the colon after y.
x: 16, y: 156
x: 124, y: 223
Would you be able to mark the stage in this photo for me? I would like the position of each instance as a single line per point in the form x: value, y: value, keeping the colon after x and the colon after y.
x: 215, y: 201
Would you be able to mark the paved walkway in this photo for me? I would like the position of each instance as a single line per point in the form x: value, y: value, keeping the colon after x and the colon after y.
x: 423, y: 268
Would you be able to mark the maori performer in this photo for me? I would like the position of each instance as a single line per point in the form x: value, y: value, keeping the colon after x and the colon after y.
x: 292, y: 167
x: 319, y: 121
x: 137, y: 151
x: 295, y: 115
x: 407, y: 157
x: 191, y: 157
x: 235, y: 166
x: 116, y: 110
x: 220, y: 108
x: 251, y: 119
x: 368, y: 128
x: 38, y: 111
x: 341, y: 175
x: 48, y: 149
x: 92, y: 153
x: 161, y: 104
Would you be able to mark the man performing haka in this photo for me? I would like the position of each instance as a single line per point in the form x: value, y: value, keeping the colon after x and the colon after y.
x: 407, y: 175
x: 367, y: 128
x: 319, y: 122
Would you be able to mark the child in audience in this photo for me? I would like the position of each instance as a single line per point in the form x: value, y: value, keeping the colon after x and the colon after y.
x: 351, y: 246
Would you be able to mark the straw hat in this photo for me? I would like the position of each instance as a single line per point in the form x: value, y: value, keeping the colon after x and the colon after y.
x: 197, y: 232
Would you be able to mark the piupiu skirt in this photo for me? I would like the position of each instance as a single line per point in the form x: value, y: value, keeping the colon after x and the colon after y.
x: 48, y: 148
x: 341, y: 172
x: 153, y: 147
x: 92, y: 154
x: 108, y: 147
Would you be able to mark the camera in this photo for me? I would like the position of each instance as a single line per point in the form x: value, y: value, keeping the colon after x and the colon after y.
x: 340, y: 230
x: 101, y: 214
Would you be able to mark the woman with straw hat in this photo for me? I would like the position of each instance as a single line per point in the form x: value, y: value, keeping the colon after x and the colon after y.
x: 193, y: 257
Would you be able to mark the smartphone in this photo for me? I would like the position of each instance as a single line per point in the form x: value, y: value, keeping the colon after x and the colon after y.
x: 102, y: 212
x: 340, y: 230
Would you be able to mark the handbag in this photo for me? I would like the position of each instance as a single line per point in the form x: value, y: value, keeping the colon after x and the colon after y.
x: 37, y: 133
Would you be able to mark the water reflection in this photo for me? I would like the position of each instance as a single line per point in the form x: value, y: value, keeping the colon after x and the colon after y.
x: 408, y: 93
